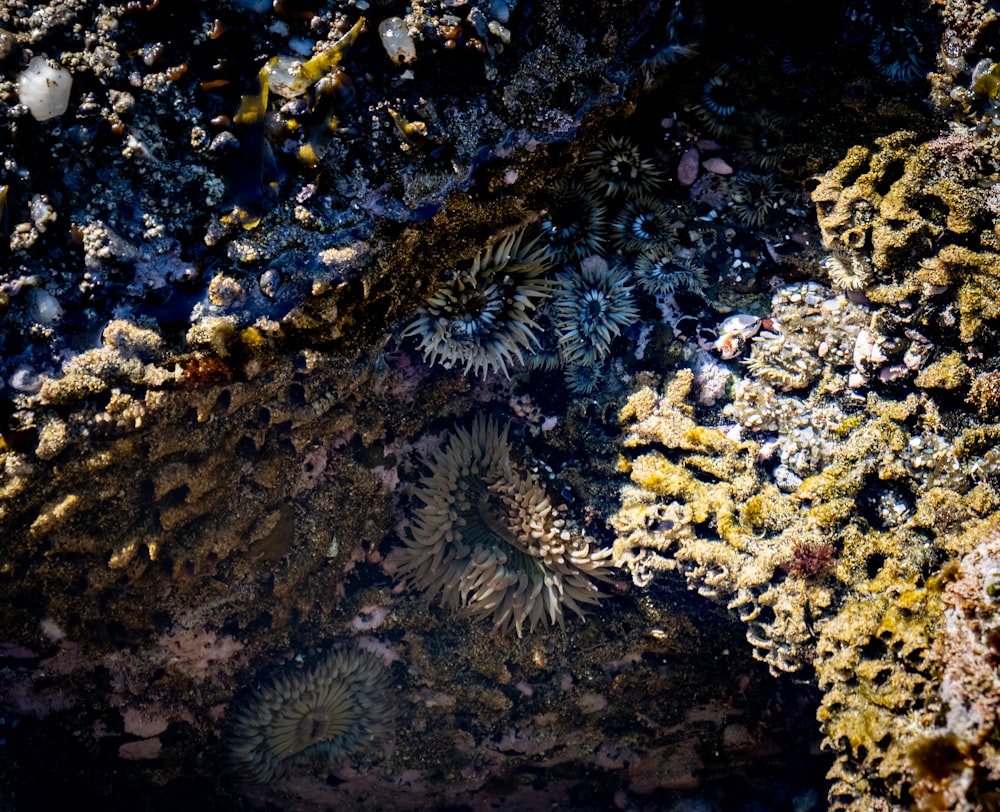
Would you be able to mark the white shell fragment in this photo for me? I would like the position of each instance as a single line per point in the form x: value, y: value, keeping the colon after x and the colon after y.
x: 44, y: 88
x: 397, y: 40
x: 734, y: 333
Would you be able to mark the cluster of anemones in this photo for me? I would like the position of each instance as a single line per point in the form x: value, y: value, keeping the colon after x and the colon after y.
x: 487, y: 542
x: 504, y: 308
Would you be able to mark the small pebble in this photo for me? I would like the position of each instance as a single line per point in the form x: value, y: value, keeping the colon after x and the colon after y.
x: 717, y: 166
x: 687, y: 167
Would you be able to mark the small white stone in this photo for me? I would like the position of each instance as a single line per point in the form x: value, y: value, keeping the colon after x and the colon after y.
x: 44, y: 88
x: 43, y: 306
x: 397, y: 41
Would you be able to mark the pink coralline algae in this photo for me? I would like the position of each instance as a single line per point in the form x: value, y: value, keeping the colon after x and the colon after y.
x: 958, y: 764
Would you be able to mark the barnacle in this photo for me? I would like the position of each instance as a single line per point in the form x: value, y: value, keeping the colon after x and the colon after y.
x: 576, y: 226
x: 481, y: 318
x: 616, y: 167
x: 331, y: 707
x: 644, y: 224
x: 593, y: 305
x: 659, y: 273
x: 488, y: 542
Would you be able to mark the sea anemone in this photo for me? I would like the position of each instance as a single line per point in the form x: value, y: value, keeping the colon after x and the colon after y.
x: 719, y: 102
x: 481, y: 318
x: 585, y: 379
x: 762, y: 141
x: 593, y: 305
x: 577, y: 225
x: 333, y: 706
x: 616, y: 167
x: 488, y: 542
x: 659, y: 273
x: 848, y: 270
x: 644, y: 224
x: 755, y: 196
x: 899, y: 53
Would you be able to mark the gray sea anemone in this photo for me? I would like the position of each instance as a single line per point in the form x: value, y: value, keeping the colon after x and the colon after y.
x: 659, y: 273
x: 616, y: 167
x: 644, y: 224
x: 482, y: 318
x: 593, y: 305
x: 576, y: 225
x: 755, y: 197
x: 487, y: 542
x: 335, y: 705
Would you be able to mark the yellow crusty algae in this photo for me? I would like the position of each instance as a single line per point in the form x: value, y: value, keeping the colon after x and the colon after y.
x: 838, y: 579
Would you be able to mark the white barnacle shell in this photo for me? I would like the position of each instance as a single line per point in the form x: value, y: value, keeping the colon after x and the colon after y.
x: 741, y: 324
x: 734, y: 332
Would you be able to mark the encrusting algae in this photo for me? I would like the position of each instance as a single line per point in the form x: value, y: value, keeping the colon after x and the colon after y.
x: 225, y: 465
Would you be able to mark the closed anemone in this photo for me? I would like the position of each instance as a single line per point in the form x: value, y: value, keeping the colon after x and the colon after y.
x: 481, y: 319
x: 487, y: 542
x: 593, y: 305
x: 616, y: 167
x: 333, y: 706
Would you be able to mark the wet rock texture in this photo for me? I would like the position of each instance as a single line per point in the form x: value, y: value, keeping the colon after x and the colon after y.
x: 213, y: 420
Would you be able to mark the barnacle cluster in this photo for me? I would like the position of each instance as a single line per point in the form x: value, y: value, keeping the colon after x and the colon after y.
x: 481, y: 319
x: 488, y: 542
x: 904, y: 220
x: 952, y: 761
x: 334, y: 705
x: 824, y: 540
x: 812, y: 331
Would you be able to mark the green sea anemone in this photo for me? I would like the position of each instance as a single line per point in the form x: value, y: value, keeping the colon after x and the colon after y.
x: 593, y: 305
x: 331, y: 707
x: 644, y: 224
x: 660, y: 273
x: 487, y: 542
x: 616, y: 167
x: 576, y: 225
x: 482, y: 318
